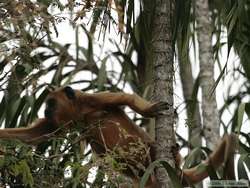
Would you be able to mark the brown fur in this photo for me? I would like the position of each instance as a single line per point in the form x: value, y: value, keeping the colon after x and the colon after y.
x: 110, y: 129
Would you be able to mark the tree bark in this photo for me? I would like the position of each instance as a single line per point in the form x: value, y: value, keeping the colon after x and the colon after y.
x: 209, y: 106
x: 162, y: 52
x: 187, y: 82
x: 193, y: 116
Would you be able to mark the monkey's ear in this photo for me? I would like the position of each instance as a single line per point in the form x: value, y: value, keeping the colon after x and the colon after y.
x: 70, y: 93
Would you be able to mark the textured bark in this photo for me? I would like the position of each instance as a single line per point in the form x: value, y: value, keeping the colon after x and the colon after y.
x: 209, y: 107
x: 187, y: 82
x: 163, y: 72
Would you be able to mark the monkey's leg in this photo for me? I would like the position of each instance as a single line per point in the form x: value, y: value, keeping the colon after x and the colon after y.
x: 134, y: 101
x: 33, y: 134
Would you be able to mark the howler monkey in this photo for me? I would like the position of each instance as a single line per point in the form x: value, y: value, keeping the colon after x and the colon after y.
x: 110, y: 129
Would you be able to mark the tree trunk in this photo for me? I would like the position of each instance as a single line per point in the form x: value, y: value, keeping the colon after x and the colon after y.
x: 187, y: 82
x: 162, y: 52
x: 209, y: 107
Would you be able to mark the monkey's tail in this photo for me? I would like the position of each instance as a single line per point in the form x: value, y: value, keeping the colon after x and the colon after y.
x: 28, y: 134
x: 222, y: 155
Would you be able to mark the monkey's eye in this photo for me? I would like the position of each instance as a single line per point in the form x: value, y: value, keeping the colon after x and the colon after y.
x: 70, y: 93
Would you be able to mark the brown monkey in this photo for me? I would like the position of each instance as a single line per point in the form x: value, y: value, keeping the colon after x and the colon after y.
x: 110, y: 129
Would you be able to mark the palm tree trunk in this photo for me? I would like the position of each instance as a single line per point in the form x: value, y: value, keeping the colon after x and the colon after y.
x: 162, y: 51
x: 209, y: 107
x: 192, y: 105
x: 187, y: 82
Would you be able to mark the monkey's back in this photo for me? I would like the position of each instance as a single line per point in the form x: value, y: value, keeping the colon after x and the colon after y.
x: 111, y: 130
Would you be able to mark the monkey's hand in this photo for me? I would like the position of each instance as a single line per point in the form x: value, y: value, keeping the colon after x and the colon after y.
x: 157, y: 109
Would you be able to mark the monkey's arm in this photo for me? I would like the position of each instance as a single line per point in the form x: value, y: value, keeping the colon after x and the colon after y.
x: 32, y: 135
x: 138, y: 104
x: 220, y: 156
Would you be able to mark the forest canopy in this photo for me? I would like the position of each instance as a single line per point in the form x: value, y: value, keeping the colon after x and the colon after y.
x: 105, y: 45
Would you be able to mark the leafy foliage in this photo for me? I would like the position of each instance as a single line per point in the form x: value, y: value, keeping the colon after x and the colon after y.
x: 31, y: 58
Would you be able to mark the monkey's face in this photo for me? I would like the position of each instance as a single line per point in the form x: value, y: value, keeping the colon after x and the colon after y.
x: 60, y: 105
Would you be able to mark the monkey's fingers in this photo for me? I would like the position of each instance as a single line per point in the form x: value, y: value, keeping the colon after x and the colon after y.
x: 162, y: 106
x: 158, y: 108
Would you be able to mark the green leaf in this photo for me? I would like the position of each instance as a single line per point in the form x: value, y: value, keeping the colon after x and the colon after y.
x: 22, y: 168
x: 192, y: 158
x: 97, y: 11
x: 2, y: 109
x: 130, y: 15
x: 211, y: 171
x: 242, y: 173
x: 170, y: 170
x: 218, y: 79
x: 20, y: 107
x: 38, y: 103
x: 247, y: 109
x: 102, y: 75
x: 247, y: 161
x: 231, y: 21
x: 191, y: 105
x: 45, y: 2
x: 2, y: 162
x: 243, y: 148
x: 240, y: 114
x: 89, y: 55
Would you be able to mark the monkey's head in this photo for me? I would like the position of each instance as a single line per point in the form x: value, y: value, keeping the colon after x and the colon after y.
x: 60, y: 106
